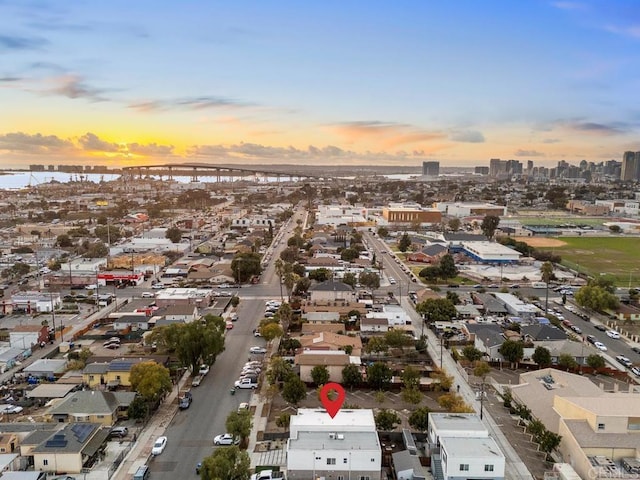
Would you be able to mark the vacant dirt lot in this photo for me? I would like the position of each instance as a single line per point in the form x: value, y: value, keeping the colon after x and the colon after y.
x: 543, y: 242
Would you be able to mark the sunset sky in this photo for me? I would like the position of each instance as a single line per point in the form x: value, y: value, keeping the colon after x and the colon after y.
x: 134, y: 82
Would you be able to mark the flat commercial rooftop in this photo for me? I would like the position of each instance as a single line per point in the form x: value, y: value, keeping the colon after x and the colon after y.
x: 471, y: 447
x: 341, y: 441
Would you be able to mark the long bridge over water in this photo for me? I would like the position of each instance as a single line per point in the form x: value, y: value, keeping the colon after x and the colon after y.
x: 198, y: 170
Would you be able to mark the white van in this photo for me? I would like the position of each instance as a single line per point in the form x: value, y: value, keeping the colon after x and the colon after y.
x: 538, y: 285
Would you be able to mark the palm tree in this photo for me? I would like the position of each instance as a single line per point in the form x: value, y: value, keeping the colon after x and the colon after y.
x: 547, y: 274
x: 280, y: 269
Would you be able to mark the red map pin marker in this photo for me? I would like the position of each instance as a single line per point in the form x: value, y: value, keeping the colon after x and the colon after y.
x: 332, y: 406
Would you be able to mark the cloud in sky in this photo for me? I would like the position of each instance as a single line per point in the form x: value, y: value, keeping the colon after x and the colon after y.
x: 36, y: 143
x: 17, y: 43
x: 150, y: 149
x: 384, y: 134
x: 528, y: 153
x: 468, y: 136
x: 188, y: 103
x: 72, y: 86
x: 90, y: 141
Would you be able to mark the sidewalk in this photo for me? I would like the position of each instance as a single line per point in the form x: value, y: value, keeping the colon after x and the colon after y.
x: 139, y: 454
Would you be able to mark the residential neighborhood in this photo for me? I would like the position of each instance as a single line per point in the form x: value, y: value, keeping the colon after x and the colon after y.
x: 169, y: 325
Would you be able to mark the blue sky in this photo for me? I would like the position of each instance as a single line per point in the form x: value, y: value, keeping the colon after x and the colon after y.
x: 334, y: 82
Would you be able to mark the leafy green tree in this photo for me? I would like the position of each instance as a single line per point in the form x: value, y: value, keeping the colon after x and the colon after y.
x: 350, y: 279
x: 549, y: 441
x: 379, y: 376
x: 447, y: 267
x: 194, y: 342
x: 410, y: 377
x: 64, y: 241
x: 229, y: 463
x: 430, y: 273
x: 239, y: 424
x: 453, y: 297
x: 320, y: 274
x: 386, y: 420
x: 471, y: 353
x: 606, y: 282
x: 320, y: 375
x: 404, y: 243
x: 546, y: 271
x: 376, y: 345
x: 489, y: 225
x: 349, y: 254
x: 290, y: 345
x: 271, y: 331
x: 481, y: 369
x: 596, y: 298
x: 567, y: 361
x: 397, y: 339
x: 351, y: 376
x: 283, y: 420
x: 383, y: 232
x: 369, y: 279
x: 595, y: 361
x: 419, y: 419
x: 437, y: 310
x: 108, y: 233
x: 138, y: 409
x: 150, y: 379
x: 454, y: 224
x: 96, y: 250
x: 294, y: 390
x: 19, y: 269
x: 245, y: 265
x: 542, y: 357
x: 279, y: 370
x: 411, y: 395
x: 174, y: 234
x: 512, y: 351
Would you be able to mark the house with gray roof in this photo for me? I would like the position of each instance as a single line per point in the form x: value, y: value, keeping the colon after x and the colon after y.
x: 332, y: 291
x: 70, y: 449
x: 94, y: 406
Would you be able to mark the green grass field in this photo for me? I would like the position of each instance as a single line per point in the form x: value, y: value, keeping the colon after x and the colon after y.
x: 615, y: 256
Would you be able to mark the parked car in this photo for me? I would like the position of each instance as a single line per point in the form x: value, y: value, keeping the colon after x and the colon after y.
x: 159, y: 446
x: 204, y: 369
x: 225, y: 439
x: 118, y: 432
x: 613, y: 334
x: 602, y: 328
x: 591, y: 339
x: 600, y: 346
x: 148, y: 295
x: 157, y: 286
x: 256, y: 332
x: 624, y: 361
x: 243, y: 406
x: 246, y: 382
x: 12, y: 409
x: 636, y: 371
x: 197, y: 380
x: 576, y: 329
x: 229, y: 325
x: 636, y: 349
x: 258, y: 350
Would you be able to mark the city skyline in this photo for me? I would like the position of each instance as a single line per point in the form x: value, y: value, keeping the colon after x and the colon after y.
x: 125, y: 83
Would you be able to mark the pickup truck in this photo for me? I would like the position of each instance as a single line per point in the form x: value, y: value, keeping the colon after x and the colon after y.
x: 267, y: 475
x: 247, y: 382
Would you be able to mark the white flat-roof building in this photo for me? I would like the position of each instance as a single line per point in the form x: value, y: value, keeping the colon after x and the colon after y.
x: 517, y: 307
x: 491, y: 252
x: 183, y: 296
x: 395, y: 315
x: 461, y: 448
x: 346, y: 446
x: 471, y: 209
x: 340, y: 214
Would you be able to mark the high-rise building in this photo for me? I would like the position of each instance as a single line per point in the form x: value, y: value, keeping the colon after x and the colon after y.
x: 481, y: 170
x: 630, y: 166
x: 430, y: 169
x: 497, y: 167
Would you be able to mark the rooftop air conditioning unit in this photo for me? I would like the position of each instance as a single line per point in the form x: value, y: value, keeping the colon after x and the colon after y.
x: 332, y: 436
x: 340, y: 436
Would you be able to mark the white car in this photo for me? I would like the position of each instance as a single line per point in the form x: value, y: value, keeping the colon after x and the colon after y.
x: 258, y: 350
x: 613, y: 334
x: 157, y: 286
x: 225, y: 439
x: 600, y: 346
x: 392, y: 280
x: 148, y: 295
x: 204, y: 369
x: 12, y: 409
x: 197, y: 380
x: 159, y: 446
x: 243, y: 406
